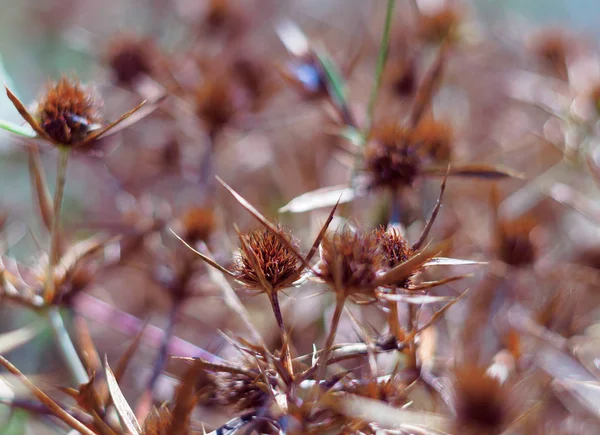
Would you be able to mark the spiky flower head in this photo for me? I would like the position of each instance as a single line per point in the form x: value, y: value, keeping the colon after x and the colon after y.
x: 198, y: 224
x: 513, y: 241
x: 266, y: 251
x: 350, y: 261
x: 68, y: 111
x: 481, y: 401
x: 390, y: 159
x: 131, y: 57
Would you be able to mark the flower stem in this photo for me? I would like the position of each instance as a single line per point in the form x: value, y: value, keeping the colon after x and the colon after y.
x: 61, y: 178
x: 62, y: 338
x: 381, y: 59
x: 287, y: 357
x: 335, y: 321
x: 65, y: 345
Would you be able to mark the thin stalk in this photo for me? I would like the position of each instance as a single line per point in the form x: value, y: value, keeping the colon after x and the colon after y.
x: 145, y: 402
x: 61, y: 178
x: 335, y: 321
x: 394, y: 321
x: 381, y: 59
x: 287, y: 360
x: 65, y: 346
x: 411, y: 349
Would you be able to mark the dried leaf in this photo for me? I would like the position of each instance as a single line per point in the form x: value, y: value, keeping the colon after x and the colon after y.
x: 415, y: 299
x: 42, y: 193
x: 26, y: 115
x: 14, y: 339
x: 474, y: 170
x: 319, y: 198
x: 123, y: 409
x: 385, y: 415
x: 445, y: 261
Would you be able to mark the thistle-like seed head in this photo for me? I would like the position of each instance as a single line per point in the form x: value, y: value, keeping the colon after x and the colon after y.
x: 239, y: 392
x: 130, y: 58
x: 390, y: 160
x: 277, y: 262
x: 393, y: 246
x: 433, y: 139
x: 198, y: 224
x: 67, y: 112
x: 217, y: 102
x: 350, y: 261
x: 481, y: 402
x: 440, y: 25
x: 158, y: 422
x: 514, y: 244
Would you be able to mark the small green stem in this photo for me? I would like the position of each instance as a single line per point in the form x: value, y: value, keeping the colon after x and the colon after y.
x: 335, y: 321
x: 381, y: 59
x: 65, y: 346
x: 61, y: 178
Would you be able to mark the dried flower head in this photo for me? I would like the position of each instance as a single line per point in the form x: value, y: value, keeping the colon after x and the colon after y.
x: 158, y: 422
x: 440, y: 25
x: 513, y: 241
x: 350, y: 261
x: 240, y: 392
x: 552, y: 48
x: 400, y: 74
x: 198, y: 224
x: 264, y: 250
x: 482, y: 403
x: 217, y: 101
x: 68, y: 111
x: 433, y: 139
x: 393, y: 246
x: 130, y: 58
x: 390, y: 159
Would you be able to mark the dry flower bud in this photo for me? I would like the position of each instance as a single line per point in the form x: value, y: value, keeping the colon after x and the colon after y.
x: 350, y: 261
x: 68, y: 112
x: 198, y: 224
x: 514, y: 243
x: 130, y: 58
x: 277, y: 262
x: 390, y: 160
x: 482, y: 403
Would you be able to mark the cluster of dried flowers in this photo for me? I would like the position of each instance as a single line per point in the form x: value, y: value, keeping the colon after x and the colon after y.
x: 511, y: 347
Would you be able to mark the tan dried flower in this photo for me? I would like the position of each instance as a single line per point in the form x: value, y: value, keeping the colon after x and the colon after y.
x: 264, y: 254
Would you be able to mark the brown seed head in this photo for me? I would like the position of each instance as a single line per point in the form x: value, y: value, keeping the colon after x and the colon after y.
x: 130, y: 58
x: 68, y: 112
x: 158, y: 422
x: 400, y: 74
x: 280, y: 266
x: 552, y: 48
x: 594, y: 97
x: 217, y: 101
x: 350, y: 261
x: 433, y: 139
x: 393, y: 246
x: 482, y: 403
x: 440, y: 25
x: 513, y: 241
x: 239, y: 392
x: 198, y: 224
x: 390, y: 159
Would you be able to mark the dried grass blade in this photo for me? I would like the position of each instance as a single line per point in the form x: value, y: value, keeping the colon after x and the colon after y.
x: 206, y: 259
x: 317, y: 241
x: 417, y: 245
x: 26, y: 115
x: 478, y: 170
x: 102, y: 131
x: 40, y: 186
x: 12, y: 340
x: 406, y: 269
x: 54, y: 408
x: 319, y: 198
x: 123, y: 409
